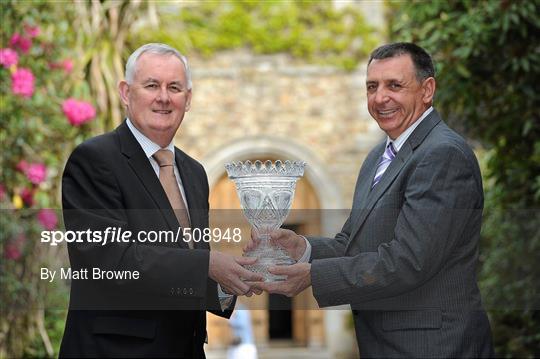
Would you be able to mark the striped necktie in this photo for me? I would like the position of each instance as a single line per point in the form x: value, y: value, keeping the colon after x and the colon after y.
x: 387, y: 157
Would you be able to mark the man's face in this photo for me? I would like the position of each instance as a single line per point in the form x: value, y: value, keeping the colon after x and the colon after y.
x: 158, y: 97
x: 396, y: 99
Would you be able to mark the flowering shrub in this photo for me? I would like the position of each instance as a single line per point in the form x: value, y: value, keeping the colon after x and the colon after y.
x: 67, y: 65
x: 78, y: 112
x: 27, y: 196
x: 8, y: 57
x: 45, y: 112
x: 39, y: 122
x: 22, y: 82
x: 47, y: 218
x: 21, y: 42
x: 35, y: 172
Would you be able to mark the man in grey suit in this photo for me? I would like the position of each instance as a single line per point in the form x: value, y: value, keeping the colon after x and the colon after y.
x: 406, y: 257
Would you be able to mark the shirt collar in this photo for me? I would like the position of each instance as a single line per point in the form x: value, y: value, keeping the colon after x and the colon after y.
x: 398, y: 142
x: 149, y: 147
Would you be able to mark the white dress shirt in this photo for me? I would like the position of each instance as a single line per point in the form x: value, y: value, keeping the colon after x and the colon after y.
x: 150, y: 148
x: 398, y: 142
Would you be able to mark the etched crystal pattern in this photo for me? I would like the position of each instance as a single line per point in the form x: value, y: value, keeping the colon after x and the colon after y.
x: 266, y: 192
x: 258, y: 168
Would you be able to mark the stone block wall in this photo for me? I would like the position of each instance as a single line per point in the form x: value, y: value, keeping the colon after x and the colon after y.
x: 239, y: 95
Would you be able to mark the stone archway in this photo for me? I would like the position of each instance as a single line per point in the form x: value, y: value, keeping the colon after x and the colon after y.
x: 325, y: 186
x: 309, y: 325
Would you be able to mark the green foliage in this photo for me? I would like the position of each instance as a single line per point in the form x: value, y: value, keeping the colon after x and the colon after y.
x: 509, y: 277
x: 36, y: 131
x: 311, y: 30
x: 488, y: 65
x: 488, y: 62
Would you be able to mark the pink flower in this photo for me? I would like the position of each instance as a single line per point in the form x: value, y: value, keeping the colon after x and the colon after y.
x: 48, y: 219
x: 8, y: 57
x: 36, y: 172
x: 12, y: 252
x: 22, y: 165
x: 22, y: 43
x: 2, y: 192
x: 22, y: 82
x: 27, y: 196
x: 67, y: 65
x: 78, y: 112
x: 32, y: 31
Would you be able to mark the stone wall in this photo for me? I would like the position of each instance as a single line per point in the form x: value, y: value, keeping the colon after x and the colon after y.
x: 238, y: 95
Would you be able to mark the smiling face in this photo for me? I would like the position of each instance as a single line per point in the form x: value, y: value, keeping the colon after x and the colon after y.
x: 396, y: 98
x: 158, y: 97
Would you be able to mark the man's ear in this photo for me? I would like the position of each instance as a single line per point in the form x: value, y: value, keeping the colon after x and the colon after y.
x: 123, y: 89
x: 188, y: 101
x: 429, y: 85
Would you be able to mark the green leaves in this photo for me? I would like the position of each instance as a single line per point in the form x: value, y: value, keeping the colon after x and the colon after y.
x: 312, y: 30
x: 487, y: 55
x: 36, y: 131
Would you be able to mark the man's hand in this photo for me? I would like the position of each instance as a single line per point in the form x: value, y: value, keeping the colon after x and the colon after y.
x: 252, y: 290
x: 298, y: 279
x: 294, y: 244
x: 229, y: 273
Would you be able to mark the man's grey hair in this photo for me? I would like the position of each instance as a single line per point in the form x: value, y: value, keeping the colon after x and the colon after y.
x: 159, y: 49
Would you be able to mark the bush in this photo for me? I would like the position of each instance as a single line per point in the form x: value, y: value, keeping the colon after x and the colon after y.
x: 43, y: 116
x: 488, y: 65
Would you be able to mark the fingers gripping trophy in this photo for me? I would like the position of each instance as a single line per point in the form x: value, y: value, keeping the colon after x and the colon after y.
x: 266, y: 192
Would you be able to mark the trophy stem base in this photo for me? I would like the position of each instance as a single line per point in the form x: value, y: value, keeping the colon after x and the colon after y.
x: 268, y: 256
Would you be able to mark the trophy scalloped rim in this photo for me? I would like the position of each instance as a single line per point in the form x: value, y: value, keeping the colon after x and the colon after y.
x: 267, y: 168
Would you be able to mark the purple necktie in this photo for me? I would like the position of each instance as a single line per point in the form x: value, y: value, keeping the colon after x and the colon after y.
x: 387, y: 157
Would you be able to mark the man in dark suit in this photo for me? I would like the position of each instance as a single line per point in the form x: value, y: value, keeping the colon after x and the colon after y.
x: 134, y: 179
x: 406, y: 257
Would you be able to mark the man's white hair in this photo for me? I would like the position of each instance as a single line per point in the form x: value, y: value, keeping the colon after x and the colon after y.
x: 155, y: 48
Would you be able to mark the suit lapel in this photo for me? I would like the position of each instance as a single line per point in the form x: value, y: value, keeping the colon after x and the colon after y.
x: 365, y: 177
x: 190, y: 182
x: 369, y: 197
x: 143, y: 170
x: 187, y: 182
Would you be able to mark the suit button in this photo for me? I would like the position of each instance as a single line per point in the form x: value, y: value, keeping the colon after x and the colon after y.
x: 190, y: 290
x: 184, y: 291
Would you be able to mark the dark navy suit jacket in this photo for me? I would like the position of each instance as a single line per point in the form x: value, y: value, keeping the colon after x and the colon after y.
x: 109, y: 182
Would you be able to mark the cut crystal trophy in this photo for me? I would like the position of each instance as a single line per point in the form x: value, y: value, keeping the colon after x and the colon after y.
x: 266, y: 192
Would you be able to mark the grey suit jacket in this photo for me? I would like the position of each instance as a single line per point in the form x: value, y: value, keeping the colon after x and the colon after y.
x: 406, y: 257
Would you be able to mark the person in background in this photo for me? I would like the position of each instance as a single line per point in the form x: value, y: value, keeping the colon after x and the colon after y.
x: 243, y: 345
